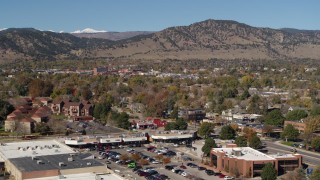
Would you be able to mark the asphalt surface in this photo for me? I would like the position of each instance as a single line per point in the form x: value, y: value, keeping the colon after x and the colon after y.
x: 124, y: 171
x: 310, y: 158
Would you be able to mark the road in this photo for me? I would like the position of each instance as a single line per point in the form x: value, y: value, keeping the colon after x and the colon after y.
x: 310, y: 158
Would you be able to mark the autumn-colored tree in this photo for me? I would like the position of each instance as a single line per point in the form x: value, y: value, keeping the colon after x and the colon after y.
x: 124, y: 157
x: 40, y: 88
x: 143, y: 162
x: 249, y: 133
x: 159, y: 157
x: 267, y: 129
x: 166, y: 160
x: 135, y: 157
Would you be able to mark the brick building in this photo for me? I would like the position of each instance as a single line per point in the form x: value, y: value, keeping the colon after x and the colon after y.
x: 248, y: 162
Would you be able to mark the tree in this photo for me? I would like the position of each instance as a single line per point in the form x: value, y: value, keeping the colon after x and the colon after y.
x: 209, y: 143
x: 182, y: 124
x: 227, y: 132
x: 42, y: 128
x: 274, y: 118
x: 315, y: 174
x: 5, y: 109
x: 249, y: 133
x: 166, y: 160
x: 206, y: 129
x: 269, y: 172
x: 297, y: 174
x: 296, y: 115
x: 124, y: 157
x: 315, y: 143
x: 255, y: 142
x: 159, y: 157
x: 245, y: 95
x: 171, y: 126
x: 241, y: 141
x: 121, y: 120
x: 315, y: 111
x: 40, y: 88
x: 267, y: 129
x: 143, y: 162
x: 290, y: 133
x: 135, y: 157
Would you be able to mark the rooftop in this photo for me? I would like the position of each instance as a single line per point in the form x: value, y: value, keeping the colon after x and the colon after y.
x: 247, y: 153
x: 33, y: 148
x: 51, y: 162
x: 83, y: 176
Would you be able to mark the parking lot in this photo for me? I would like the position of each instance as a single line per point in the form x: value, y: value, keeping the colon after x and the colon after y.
x: 177, y: 161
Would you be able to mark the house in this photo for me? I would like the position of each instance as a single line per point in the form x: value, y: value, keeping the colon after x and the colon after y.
x: 300, y: 125
x: 192, y: 114
x: 72, y: 109
x: 25, y: 117
x: 100, y: 71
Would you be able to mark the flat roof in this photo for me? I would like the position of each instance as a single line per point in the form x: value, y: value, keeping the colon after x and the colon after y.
x: 51, y: 162
x: 247, y: 153
x: 33, y: 148
x: 280, y: 155
x: 83, y: 176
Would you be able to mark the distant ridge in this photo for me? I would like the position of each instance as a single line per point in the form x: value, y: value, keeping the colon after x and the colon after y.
x: 210, y: 39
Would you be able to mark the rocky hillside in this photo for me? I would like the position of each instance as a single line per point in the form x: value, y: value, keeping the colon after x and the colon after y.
x: 203, y: 40
x: 220, y: 39
x: 114, y: 36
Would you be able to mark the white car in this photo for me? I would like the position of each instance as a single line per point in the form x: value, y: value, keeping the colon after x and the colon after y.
x: 184, y: 174
x: 176, y: 145
x: 228, y: 178
x: 130, y: 149
x: 155, y: 162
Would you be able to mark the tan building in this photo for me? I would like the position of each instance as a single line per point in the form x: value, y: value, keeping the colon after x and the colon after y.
x: 38, y: 159
x: 247, y: 162
x: 300, y: 125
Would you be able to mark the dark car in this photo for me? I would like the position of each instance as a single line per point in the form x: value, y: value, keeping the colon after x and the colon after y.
x: 209, y: 172
x: 201, y: 168
x: 170, y: 153
x: 136, y: 168
x: 152, y: 172
x: 142, y: 173
x: 192, y: 165
x: 168, y: 167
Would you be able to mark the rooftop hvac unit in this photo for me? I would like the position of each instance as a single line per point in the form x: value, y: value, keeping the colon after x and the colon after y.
x: 70, y: 159
x: 61, y: 177
x: 61, y: 164
x: 40, y: 162
x: 34, y: 158
x: 89, y: 164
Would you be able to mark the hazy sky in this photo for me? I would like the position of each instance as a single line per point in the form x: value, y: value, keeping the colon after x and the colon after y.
x: 152, y: 15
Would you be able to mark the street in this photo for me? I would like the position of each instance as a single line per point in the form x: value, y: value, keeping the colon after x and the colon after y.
x: 310, y: 158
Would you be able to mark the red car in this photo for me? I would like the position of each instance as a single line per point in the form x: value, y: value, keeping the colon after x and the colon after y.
x: 222, y: 176
x: 142, y: 173
x: 183, y: 167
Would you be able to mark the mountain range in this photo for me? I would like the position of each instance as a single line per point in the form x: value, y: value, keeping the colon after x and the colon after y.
x: 221, y: 39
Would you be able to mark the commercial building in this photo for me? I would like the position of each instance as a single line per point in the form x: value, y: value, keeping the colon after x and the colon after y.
x: 300, y: 125
x: 247, y: 162
x: 38, y: 159
x: 173, y: 136
x: 107, y: 141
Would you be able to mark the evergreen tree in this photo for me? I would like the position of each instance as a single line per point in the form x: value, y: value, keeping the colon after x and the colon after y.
x: 269, y: 172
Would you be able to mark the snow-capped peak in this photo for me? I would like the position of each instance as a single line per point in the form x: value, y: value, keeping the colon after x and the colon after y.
x: 88, y: 30
x: 2, y: 29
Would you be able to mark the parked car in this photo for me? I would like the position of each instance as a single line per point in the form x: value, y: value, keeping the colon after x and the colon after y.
x: 142, y: 173
x: 228, y: 178
x: 222, y: 176
x: 171, y: 153
x: 168, y: 167
x: 185, y: 174
x: 155, y: 162
x: 192, y: 165
x: 209, y: 172
x: 200, y: 168
x: 176, y: 145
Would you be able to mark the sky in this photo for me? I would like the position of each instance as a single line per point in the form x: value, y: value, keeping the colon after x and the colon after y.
x: 155, y: 15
